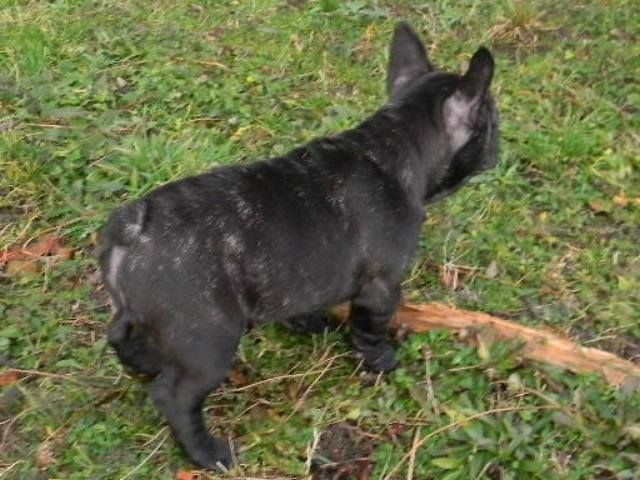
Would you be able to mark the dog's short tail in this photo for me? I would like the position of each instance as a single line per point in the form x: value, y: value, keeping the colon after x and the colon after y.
x: 125, y: 224
x: 133, y: 349
x: 123, y: 230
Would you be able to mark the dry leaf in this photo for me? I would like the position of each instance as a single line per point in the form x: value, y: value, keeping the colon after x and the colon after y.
x: 238, y: 379
x: 45, y: 246
x: 449, y: 277
x: 94, y: 278
x: 396, y: 429
x: 64, y: 253
x: 44, y: 455
x: 624, y: 201
x: 297, y: 42
x: 597, y: 206
x: 621, y: 200
x: 9, y: 378
x: 454, y: 276
x: 17, y: 268
x: 486, y: 338
x: 364, y: 48
x: 23, y: 259
x: 187, y: 475
x: 492, y: 271
x: 366, y: 467
x: 632, y: 430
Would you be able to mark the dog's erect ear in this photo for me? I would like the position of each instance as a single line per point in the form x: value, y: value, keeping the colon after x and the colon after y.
x: 407, y: 59
x: 461, y: 108
x: 478, y: 77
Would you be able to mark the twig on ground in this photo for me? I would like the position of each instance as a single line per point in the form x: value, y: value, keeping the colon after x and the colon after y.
x: 147, y: 458
x: 412, y: 454
x: 539, y: 345
x: 10, y: 467
x: 78, y: 380
x: 329, y: 363
x: 10, y: 425
x: 313, y: 446
x: 279, y: 378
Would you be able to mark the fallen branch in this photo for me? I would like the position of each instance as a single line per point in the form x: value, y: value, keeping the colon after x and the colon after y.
x: 539, y: 345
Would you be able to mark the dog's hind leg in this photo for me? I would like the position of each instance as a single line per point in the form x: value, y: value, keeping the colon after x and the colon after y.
x: 133, y: 347
x: 371, y: 312
x: 199, y: 364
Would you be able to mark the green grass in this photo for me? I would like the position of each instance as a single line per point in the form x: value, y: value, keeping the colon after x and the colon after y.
x: 101, y: 101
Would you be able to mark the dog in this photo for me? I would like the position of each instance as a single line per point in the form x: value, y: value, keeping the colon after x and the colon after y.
x: 191, y: 265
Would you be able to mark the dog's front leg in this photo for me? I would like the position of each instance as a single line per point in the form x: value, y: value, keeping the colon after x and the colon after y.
x: 371, y: 311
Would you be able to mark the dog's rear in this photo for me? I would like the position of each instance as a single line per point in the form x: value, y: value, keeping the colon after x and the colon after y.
x: 125, y: 335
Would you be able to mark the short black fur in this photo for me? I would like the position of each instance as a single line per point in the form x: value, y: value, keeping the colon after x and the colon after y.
x: 192, y: 264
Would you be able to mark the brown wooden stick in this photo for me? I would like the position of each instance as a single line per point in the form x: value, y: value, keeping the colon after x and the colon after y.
x: 539, y: 345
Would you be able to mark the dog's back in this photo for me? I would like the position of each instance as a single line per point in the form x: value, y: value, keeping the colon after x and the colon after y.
x: 267, y: 241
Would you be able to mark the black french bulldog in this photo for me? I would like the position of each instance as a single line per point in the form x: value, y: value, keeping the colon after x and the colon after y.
x: 195, y: 262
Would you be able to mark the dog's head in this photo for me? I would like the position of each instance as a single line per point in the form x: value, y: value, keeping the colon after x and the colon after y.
x: 454, y: 116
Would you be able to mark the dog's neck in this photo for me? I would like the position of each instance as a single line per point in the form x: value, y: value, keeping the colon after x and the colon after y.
x: 405, y: 148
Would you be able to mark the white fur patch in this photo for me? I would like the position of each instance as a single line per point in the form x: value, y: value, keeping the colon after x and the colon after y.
x: 457, y: 110
x: 399, y: 81
x: 115, y: 261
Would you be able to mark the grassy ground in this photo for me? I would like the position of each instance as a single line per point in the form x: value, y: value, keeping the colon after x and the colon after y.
x: 103, y: 100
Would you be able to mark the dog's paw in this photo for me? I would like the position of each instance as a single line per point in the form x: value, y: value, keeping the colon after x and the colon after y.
x: 215, y: 455
x: 379, y: 360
